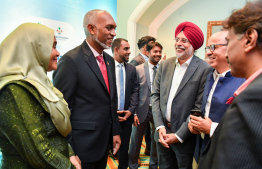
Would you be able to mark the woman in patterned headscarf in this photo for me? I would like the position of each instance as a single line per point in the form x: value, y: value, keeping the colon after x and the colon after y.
x: 34, y: 116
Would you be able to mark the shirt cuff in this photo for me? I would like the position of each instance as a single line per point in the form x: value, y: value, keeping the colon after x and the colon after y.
x: 159, y: 127
x: 179, y: 139
x: 213, y: 128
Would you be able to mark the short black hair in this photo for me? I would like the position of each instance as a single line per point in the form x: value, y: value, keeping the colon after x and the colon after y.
x: 144, y: 40
x: 117, y: 43
x: 150, y: 46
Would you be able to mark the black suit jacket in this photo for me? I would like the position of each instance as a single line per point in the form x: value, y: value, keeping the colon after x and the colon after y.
x: 236, y: 142
x: 94, y: 117
x: 131, y: 92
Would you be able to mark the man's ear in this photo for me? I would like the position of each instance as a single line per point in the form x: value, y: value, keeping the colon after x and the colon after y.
x: 91, y: 29
x: 250, y: 39
x: 116, y: 50
x: 147, y: 53
x: 145, y: 47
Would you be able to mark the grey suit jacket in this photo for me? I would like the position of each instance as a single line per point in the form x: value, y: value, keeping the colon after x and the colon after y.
x: 236, y: 142
x: 138, y: 60
x: 188, y: 96
x: 144, y: 91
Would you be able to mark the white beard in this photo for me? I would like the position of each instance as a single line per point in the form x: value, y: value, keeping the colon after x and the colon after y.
x: 100, y: 43
x: 185, y: 54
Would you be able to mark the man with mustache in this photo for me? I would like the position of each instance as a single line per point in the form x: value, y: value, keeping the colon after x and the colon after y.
x: 219, y: 87
x: 178, y: 88
x: 146, y: 73
x: 86, y: 77
x: 127, y: 91
x: 236, y: 142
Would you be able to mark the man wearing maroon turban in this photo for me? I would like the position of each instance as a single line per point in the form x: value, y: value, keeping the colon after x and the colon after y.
x: 178, y: 88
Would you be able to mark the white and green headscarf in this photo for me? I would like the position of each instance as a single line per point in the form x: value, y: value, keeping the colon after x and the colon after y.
x: 25, y: 55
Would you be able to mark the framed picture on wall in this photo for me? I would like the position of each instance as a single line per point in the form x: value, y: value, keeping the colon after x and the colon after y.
x: 213, y: 27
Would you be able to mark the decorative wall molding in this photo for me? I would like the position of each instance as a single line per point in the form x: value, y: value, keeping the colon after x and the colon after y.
x: 162, y: 16
x: 132, y: 22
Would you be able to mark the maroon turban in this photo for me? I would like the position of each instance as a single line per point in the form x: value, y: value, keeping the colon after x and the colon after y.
x: 192, y: 32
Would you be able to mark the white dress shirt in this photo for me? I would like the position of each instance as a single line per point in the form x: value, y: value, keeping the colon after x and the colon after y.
x: 216, y: 77
x: 179, y: 73
x: 117, y: 67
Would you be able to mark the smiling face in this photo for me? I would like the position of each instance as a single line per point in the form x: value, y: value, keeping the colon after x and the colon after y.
x: 105, y: 30
x: 217, y: 57
x: 53, y: 58
x: 124, y: 51
x: 183, y: 50
x: 155, y: 55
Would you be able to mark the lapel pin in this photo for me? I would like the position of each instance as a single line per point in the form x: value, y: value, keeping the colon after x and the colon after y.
x: 108, y: 63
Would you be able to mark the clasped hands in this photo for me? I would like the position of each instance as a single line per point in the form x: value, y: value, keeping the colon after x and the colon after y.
x: 127, y: 115
x: 166, y: 139
x: 198, y: 124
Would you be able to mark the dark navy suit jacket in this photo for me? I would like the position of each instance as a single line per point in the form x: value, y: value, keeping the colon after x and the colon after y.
x: 225, y: 89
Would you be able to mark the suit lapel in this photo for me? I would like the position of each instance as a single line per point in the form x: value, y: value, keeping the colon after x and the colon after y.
x: 146, y: 69
x: 127, y: 77
x: 189, y: 72
x: 92, y: 63
x: 170, y: 72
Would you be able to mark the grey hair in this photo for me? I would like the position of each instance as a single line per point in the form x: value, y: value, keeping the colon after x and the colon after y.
x: 90, y: 18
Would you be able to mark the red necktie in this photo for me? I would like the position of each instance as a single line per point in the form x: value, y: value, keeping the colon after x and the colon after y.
x: 103, y: 70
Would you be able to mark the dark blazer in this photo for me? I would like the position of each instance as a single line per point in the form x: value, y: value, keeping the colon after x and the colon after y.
x: 138, y: 60
x: 188, y: 96
x: 236, y: 143
x: 94, y: 117
x: 225, y: 89
x: 131, y: 92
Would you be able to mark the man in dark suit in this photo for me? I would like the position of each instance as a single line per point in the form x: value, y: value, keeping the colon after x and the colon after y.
x: 236, y: 143
x: 178, y: 88
x: 138, y: 60
x: 86, y: 77
x: 219, y: 87
x: 146, y: 73
x: 142, y: 44
x: 127, y: 90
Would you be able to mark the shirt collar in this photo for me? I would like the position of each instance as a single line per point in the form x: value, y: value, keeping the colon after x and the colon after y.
x: 216, y: 74
x: 151, y: 66
x: 186, y: 63
x: 144, y: 56
x: 116, y: 63
x: 93, y: 50
x: 247, y: 82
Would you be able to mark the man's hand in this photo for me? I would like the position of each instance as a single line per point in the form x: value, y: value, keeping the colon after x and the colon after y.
x: 127, y: 115
x: 116, y: 143
x: 136, y: 121
x: 162, y: 133
x: 75, y: 161
x: 170, y: 139
x: 191, y: 128
x: 200, y: 124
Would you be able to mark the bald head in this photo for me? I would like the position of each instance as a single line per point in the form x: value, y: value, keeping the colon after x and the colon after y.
x: 217, y: 51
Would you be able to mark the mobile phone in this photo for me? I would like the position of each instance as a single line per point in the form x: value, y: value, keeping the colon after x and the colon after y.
x: 197, y: 113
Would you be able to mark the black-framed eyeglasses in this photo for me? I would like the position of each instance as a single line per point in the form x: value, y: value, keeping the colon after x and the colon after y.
x: 213, y: 47
x: 183, y: 40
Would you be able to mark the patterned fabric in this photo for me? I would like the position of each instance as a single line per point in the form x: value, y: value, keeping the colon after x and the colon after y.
x: 28, y: 137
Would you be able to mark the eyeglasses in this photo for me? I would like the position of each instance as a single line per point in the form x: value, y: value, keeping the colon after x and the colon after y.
x: 183, y: 40
x: 213, y: 47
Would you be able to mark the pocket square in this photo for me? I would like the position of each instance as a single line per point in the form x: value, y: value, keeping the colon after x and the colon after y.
x: 230, y: 100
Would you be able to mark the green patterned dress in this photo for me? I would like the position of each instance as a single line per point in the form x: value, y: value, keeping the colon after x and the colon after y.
x: 28, y: 138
